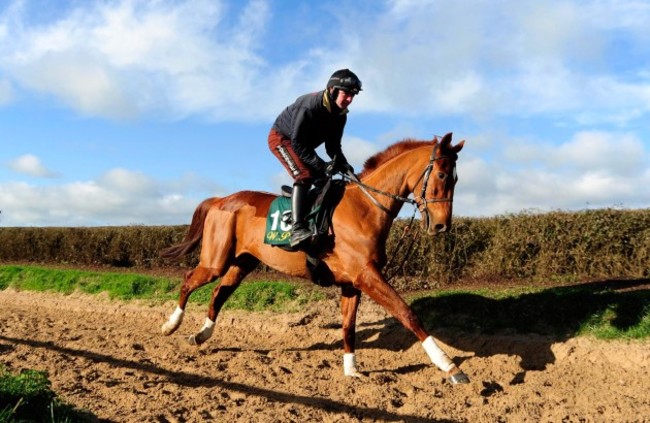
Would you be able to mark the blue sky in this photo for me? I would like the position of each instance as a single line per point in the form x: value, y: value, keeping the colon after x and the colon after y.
x: 131, y: 112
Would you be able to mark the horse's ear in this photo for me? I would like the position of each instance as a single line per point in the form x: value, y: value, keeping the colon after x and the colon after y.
x: 458, y: 147
x: 446, y: 139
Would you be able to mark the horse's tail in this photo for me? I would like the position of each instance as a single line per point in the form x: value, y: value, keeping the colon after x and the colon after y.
x: 194, y: 233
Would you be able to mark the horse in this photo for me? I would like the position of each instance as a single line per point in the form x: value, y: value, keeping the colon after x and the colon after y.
x: 231, y: 232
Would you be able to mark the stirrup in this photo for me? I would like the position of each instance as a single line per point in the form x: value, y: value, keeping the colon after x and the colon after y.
x: 299, y: 236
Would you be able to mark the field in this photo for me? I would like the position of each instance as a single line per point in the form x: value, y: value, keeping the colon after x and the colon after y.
x: 108, y: 357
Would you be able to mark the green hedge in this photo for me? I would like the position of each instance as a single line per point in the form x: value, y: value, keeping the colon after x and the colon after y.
x: 607, y: 243
x: 117, y: 246
x: 575, y: 245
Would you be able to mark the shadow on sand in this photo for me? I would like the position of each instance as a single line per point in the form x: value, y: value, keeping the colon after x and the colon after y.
x: 190, y: 380
x: 526, y: 325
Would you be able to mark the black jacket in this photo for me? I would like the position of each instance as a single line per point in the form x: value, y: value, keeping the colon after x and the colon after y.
x: 311, y: 121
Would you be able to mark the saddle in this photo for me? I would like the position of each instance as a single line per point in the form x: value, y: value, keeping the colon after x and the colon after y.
x: 323, y: 200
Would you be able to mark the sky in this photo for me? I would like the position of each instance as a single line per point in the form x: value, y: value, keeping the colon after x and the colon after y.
x: 130, y: 112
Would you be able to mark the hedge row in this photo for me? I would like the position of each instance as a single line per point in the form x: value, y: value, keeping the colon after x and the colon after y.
x: 116, y: 246
x: 594, y: 244
x: 607, y: 243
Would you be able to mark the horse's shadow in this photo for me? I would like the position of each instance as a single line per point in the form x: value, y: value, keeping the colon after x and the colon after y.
x: 526, y: 325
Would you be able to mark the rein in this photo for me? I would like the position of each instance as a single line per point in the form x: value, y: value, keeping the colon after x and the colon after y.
x: 420, y: 202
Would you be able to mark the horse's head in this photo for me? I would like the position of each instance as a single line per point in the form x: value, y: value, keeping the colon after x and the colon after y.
x: 435, y: 193
x: 426, y: 169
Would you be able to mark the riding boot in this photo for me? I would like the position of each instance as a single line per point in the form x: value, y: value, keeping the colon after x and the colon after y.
x: 299, y: 230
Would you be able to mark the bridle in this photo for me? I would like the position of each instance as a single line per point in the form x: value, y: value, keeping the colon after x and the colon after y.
x: 420, y: 202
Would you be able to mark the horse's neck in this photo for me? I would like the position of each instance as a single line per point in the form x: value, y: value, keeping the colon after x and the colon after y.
x: 395, y: 178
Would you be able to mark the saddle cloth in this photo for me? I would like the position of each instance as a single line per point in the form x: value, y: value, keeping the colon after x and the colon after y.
x: 278, y: 220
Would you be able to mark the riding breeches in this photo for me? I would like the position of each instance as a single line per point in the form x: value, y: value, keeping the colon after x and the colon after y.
x: 281, y: 147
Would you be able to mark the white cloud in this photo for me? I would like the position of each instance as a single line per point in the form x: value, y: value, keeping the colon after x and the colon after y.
x: 31, y: 165
x: 118, y: 197
x: 602, y: 152
x: 126, y: 181
x: 457, y: 93
x: 6, y: 92
x: 357, y: 151
x: 279, y: 179
x: 484, y: 59
x: 123, y: 59
x: 476, y: 173
x: 594, y: 169
x: 85, y: 86
x: 128, y: 58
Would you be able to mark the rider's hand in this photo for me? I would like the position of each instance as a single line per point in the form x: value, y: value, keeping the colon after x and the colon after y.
x: 346, y: 168
x: 331, y: 168
x: 321, y: 166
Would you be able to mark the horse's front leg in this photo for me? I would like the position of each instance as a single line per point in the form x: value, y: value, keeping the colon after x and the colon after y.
x: 371, y: 282
x: 350, y: 298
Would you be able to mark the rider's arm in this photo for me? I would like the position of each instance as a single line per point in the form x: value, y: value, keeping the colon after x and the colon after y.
x: 300, y: 141
x: 333, y: 146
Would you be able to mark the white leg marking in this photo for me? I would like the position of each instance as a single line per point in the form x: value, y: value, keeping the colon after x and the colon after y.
x: 437, y: 356
x: 204, y: 334
x: 174, y: 321
x: 350, y: 365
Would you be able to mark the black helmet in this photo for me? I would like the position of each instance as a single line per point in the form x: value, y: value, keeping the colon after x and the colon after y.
x: 345, y: 80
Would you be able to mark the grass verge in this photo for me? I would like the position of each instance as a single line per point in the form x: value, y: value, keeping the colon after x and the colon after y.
x: 27, y: 397
x: 252, y: 295
x: 605, y: 310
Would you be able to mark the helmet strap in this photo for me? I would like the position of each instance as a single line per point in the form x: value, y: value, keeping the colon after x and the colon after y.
x: 333, y: 94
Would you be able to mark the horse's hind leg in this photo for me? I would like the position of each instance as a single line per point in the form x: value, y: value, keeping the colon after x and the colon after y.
x: 194, y: 279
x: 215, y: 259
x: 230, y: 281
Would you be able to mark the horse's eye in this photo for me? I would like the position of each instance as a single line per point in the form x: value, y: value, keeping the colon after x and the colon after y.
x: 442, y: 175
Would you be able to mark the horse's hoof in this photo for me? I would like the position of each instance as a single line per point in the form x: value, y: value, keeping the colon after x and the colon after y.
x: 173, y: 323
x: 355, y: 374
x: 167, y: 329
x: 195, y: 340
x: 458, y: 378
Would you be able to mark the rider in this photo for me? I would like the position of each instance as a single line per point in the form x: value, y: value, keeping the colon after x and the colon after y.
x: 313, y: 119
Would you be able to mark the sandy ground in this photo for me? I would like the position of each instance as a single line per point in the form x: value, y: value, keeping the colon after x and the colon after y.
x: 109, y: 358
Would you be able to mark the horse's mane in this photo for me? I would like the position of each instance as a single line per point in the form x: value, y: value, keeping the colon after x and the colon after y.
x: 390, y: 152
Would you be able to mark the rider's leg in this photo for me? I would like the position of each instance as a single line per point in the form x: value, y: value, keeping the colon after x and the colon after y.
x: 299, y: 230
x: 302, y: 175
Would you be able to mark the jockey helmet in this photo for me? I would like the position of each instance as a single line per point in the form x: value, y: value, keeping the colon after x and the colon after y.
x: 346, y: 80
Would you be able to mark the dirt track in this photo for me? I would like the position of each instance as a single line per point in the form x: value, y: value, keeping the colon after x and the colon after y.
x: 110, y: 359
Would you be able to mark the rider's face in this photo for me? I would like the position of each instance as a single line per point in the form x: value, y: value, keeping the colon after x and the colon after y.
x: 343, y: 99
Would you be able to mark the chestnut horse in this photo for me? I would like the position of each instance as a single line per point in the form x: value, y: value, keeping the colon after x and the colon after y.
x: 232, y: 231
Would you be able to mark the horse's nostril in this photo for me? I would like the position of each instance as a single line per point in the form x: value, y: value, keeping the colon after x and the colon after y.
x: 441, y: 228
